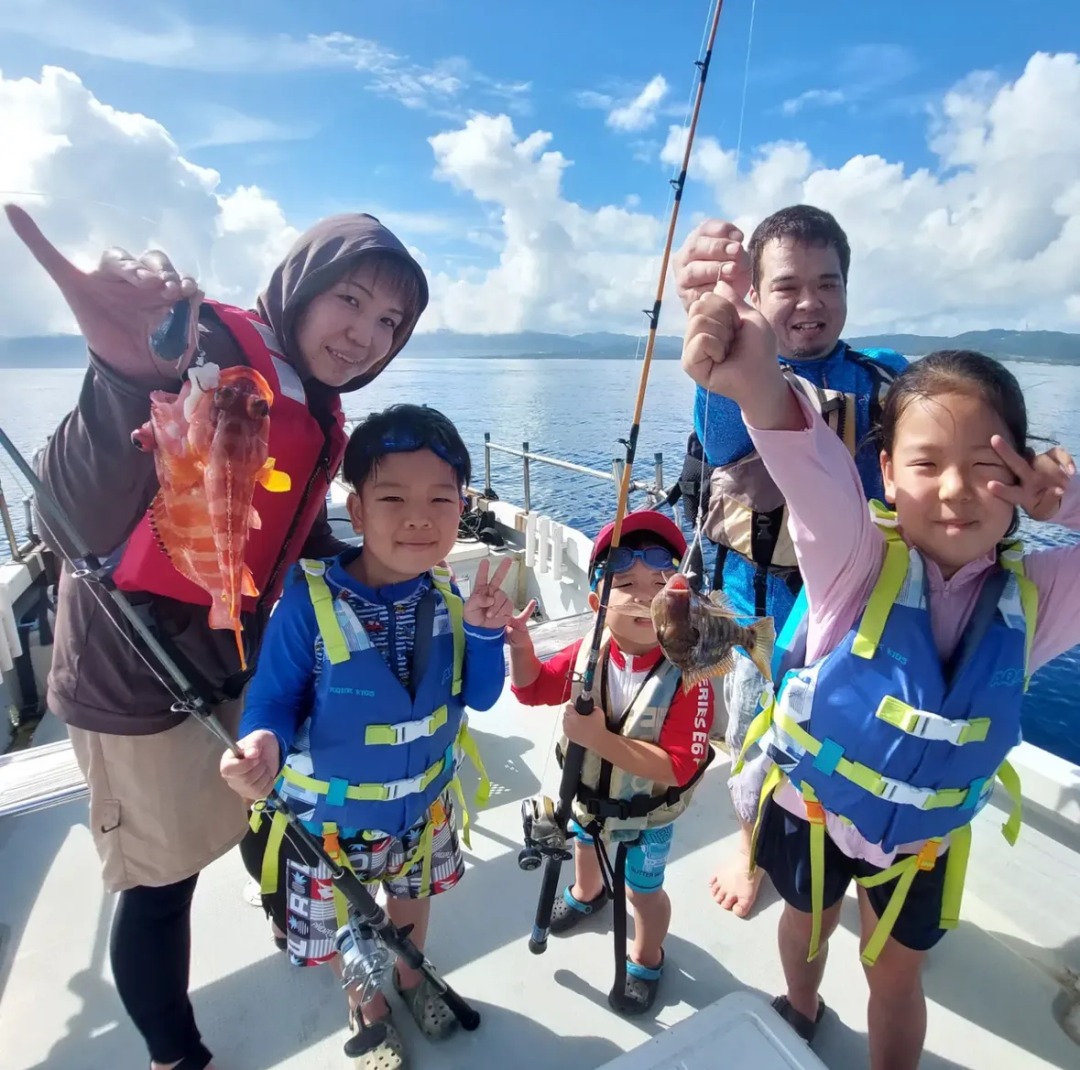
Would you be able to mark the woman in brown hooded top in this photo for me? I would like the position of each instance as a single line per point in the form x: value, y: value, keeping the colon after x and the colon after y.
x: 337, y: 310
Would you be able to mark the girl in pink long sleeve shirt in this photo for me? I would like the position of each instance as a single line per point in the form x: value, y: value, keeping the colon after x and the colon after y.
x: 956, y: 467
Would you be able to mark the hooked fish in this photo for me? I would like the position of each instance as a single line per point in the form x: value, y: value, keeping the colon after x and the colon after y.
x: 698, y: 635
x: 210, y: 444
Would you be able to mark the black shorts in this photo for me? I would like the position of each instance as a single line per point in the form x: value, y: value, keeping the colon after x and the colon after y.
x: 783, y: 851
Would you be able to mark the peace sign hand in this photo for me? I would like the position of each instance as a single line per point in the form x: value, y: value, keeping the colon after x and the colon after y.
x: 123, y: 306
x: 517, y: 627
x: 489, y: 606
x: 1040, y: 484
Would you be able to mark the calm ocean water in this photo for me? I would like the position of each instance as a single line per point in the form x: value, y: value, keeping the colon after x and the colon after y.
x: 578, y: 410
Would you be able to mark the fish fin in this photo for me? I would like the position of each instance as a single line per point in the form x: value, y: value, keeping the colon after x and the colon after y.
x: 719, y: 604
x: 237, y: 629
x: 764, y: 632
x: 247, y: 584
x: 273, y: 480
x: 693, y: 677
x: 254, y: 520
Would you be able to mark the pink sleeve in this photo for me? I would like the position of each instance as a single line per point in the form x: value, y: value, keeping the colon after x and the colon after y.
x: 1056, y: 574
x: 838, y: 546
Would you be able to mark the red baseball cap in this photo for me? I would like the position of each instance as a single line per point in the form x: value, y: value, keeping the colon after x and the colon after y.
x: 664, y: 528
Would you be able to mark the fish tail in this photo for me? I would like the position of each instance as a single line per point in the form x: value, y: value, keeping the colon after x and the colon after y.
x: 764, y: 634
x: 237, y: 630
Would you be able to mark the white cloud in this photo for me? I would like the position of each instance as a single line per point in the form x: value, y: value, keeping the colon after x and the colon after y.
x: 987, y: 238
x: 117, y: 178
x: 221, y: 125
x: 173, y: 43
x: 640, y: 113
x: 823, y: 98
x: 561, y: 267
x: 632, y: 110
x: 864, y: 72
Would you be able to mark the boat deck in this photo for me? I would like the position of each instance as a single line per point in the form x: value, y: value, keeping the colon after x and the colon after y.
x: 997, y: 986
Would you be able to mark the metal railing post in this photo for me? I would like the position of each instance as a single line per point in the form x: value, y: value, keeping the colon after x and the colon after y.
x: 9, y: 528
x: 488, y: 490
x: 525, y: 476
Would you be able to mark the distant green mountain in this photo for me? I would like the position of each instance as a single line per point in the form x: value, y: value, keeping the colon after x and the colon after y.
x: 66, y: 351
x: 1052, y: 347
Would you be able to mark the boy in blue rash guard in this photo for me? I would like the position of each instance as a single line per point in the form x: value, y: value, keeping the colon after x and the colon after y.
x: 796, y: 271
x: 369, y: 661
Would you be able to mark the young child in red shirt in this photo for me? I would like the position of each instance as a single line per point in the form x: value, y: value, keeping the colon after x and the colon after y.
x: 646, y: 743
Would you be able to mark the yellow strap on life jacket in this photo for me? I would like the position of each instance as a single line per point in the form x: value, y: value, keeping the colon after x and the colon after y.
x: 405, y: 731
x: 322, y: 600
x: 456, y: 608
x: 883, y: 597
x: 955, y: 871
x: 869, y: 779
x: 1010, y: 781
x: 1012, y: 558
x: 759, y: 726
x: 773, y: 780
x: 815, y: 814
x: 387, y: 792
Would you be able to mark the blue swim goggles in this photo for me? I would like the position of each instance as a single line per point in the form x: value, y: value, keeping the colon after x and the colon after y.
x: 622, y: 558
x: 405, y: 442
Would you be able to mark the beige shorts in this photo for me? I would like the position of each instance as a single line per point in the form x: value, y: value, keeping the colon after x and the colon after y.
x: 159, y: 809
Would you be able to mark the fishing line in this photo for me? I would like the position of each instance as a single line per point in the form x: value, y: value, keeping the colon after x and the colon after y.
x: 675, y: 188
x: 573, y: 760
x: 699, y: 521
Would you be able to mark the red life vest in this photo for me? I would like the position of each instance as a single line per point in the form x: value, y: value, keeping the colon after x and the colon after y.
x: 299, y: 447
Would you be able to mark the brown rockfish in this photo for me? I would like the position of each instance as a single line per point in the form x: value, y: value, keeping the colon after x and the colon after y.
x: 698, y: 635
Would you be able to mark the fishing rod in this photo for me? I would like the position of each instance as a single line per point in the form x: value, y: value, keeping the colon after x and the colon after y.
x: 545, y: 824
x: 89, y: 567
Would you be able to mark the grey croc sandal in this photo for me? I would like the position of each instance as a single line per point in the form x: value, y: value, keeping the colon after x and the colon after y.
x: 428, y: 1008
x: 639, y: 990
x: 568, y: 911
x: 376, y: 1046
x: 797, y: 1020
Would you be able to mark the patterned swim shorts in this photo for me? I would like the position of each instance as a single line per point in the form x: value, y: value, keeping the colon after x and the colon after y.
x: 303, y: 906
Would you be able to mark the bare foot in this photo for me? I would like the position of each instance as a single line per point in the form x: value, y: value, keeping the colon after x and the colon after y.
x: 733, y: 886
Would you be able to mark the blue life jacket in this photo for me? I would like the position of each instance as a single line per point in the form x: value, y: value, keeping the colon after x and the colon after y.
x: 408, y: 755
x: 744, y: 513
x: 881, y: 733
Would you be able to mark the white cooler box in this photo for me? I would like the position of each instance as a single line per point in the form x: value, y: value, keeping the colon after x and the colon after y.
x: 740, y: 1030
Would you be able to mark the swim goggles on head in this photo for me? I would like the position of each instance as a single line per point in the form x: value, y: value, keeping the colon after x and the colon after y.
x: 622, y: 558
x: 403, y: 442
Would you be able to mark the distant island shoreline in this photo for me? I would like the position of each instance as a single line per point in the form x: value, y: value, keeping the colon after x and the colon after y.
x: 1045, y: 347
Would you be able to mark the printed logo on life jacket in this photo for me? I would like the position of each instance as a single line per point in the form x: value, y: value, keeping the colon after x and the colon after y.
x: 896, y: 655
x: 361, y: 691
x: 1007, y: 678
x: 700, y: 739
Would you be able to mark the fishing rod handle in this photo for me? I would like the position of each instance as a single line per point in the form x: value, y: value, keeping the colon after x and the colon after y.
x: 549, y: 886
x: 584, y: 704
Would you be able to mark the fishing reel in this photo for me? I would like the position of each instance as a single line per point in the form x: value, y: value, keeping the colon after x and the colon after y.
x: 543, y: 836
x: 366, y: 961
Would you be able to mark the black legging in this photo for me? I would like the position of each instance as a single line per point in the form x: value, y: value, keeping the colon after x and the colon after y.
x: 150, y: 948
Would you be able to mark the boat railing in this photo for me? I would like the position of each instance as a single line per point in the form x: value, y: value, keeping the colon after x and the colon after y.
x: 18, y: 550
x: 655, y: 489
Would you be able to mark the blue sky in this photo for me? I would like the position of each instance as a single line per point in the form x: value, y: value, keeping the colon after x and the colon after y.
x: 330, y: 106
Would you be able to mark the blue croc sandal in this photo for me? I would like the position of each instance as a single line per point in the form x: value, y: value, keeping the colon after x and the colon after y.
x: 568, y: 911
